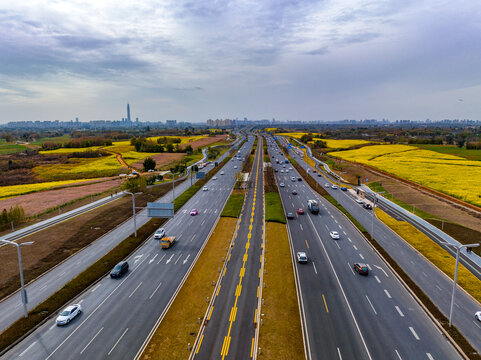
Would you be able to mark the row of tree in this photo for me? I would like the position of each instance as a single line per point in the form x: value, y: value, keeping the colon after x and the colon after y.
x: 16, y: 215
x: 77, y: 143
x: 145, y: 145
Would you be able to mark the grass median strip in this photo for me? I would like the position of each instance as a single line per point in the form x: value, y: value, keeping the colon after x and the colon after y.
x: 180, y: 325
x: 280, y: 336
x: 233, y: 207
x: 274, y: 209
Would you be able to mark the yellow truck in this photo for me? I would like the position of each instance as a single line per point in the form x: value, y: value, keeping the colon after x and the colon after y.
x: 167, y: 242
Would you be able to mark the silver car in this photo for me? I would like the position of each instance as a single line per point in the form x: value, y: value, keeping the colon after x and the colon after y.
x: 301, y: 257
x: 68, y: 314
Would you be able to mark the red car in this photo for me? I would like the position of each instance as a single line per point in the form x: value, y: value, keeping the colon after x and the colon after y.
x: 300, y: 211
x: 194, y: 212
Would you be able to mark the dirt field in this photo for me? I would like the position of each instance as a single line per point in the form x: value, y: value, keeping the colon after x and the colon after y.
x: 206, y: 141
x: 38, y: 202
x: 412, y: 196
x: 161, y: 160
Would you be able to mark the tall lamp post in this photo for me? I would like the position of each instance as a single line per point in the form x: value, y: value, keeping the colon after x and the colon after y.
x: 374, y: 212
x: 23, y: 291
x: 133, y: 209
x: 458, y: 249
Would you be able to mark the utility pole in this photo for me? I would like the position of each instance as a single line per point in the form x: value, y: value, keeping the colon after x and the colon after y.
x: 20, y: 266
x: 458, y: 249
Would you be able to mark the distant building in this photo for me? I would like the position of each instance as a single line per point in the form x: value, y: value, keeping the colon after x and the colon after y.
x: 171, y: 123
x: 128, y: 112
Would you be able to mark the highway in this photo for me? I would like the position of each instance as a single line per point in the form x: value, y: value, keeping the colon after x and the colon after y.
x: 230, y: 329
x: 119, y: 314
x: 428, y: 277
x: 346, y: 315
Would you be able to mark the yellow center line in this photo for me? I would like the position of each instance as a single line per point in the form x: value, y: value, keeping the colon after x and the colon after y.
x: 325, y: 304
x: 252, y: 348
x: 200, y: 342
x: 307, y: 244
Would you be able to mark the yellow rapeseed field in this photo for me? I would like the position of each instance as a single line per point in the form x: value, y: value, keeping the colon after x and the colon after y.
x: 183, y: 139
x: 15, y: 190
x: 450, y: 174
x: 69, y: 150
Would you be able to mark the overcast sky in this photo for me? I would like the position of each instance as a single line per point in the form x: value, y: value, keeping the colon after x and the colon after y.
x: 199, y: 59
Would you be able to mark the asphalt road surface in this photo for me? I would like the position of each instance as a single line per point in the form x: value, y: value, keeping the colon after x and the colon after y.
x: 433, y: 282
x: 118, y: 314
x: 346, y: 315
x: 231, y: 327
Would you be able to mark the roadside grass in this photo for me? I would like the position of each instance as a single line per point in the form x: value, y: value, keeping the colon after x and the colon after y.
x: 180, y: 324
x: 233, y: 207
x: 273, y: 207
x: 434, y: 253
x: 77, y: 285
x: 8, y: 148
x: 470, y: 154
x: 280, y: 336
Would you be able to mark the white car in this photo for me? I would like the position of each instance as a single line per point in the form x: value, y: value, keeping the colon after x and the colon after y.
x: 301, y: 257
x: 282, y: 171
x: 478, y: 315
x: 159, y: 234
x: 235, y: 167
x: 327, y: 185
x: 334, y: 187
x: 222, y: 173
x: 287, y: 171
x: 334, y: 235
x: 359, y: 201
x: 205, y: 188
x: 281, y: 184
x: 214, y: 178
x: 68, y: 314
x: 293, y: 178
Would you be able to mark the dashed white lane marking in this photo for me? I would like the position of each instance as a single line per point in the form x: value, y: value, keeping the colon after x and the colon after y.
x: 95, y: 288
x: 439, y: 287
x: 414, y: 333
x: 301, y: 227
x: 150, y: 297
x: 132, y: 293
x: 344, y: 232
x: 387, y: 294
x: 162, y: 258
x: 399, y: 311
x: 81, y: 301
x: 120, y: 338
x: 350, y: 267
x: 176, y: 261
x: 426, y: 275
x: 399, y: 356
x: 430, y: 357
x: 86, y: 346
x: 315, y: 270
x: 362, y: 257
x: 371, y: 305
x: 339, y: 353
x: 338, y: 245
x: 377, y: 279
x: 349, y: 239
x: 24, y: 351
x: 355, y: 247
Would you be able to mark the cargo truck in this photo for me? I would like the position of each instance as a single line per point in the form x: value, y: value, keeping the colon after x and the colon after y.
x: 167, y: 242
x: 313, y: 206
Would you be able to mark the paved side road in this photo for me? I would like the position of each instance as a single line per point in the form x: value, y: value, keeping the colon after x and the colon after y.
x: 11, y: 308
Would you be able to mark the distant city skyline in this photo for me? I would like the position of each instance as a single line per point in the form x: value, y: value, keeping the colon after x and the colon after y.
x: 192, y: 61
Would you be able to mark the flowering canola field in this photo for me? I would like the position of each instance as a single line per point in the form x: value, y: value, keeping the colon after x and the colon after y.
x: 449, y: 174
x: 15, y: 190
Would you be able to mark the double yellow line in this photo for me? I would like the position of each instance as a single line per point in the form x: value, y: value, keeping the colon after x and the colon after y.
x: 233, y: 312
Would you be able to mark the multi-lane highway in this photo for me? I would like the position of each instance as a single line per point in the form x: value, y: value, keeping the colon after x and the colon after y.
x: 346, y: 315
x: 229, y: 331
x: 430, y: 279
x: 118, y: 315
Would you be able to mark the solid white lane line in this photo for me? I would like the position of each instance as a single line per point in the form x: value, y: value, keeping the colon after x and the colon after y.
x: 439, y: 287
x: 315, y: 270
x: 377, y: 279
x: 150, y: 297
x: 371, y: 305
x: 24, y: 351
x: 362, y: 257
x: 399, y: 356
x: 430, y: 357
x: 339, y: 353
x: 399, y: 311
x: 132, y: 293
x: 95, y: 288
x: 380, y: 268
x: 86, y: 346
x: 387, y: 293
x: 414, y: 333
x: 162, y: 258
x: 176, y: 261
x: 120, y: 338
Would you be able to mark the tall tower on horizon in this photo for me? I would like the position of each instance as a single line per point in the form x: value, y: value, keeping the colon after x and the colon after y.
x: 128, y: 112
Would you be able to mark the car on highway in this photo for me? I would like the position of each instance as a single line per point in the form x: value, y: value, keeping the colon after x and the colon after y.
x: 301, y: 257
x: 319, y: 175
x: 367, y: 206
x: 159, y: 234
x: 120, y: 269
x: 68, y: 314
x: 327, y: 185
x: 314, y: 171
x: 287, y: 171
x: 343, y: 188
x: 235, y: 166
x: 334, y: 235
x: 361, y: 268
x: 275, y: 170
x: 299, y: 179
x: 222, y: 173
x: 205, y: 188
x: 290, y: 168
x: 281, y: 185
x: 293, y: 178
x: 300, y: 211
x: 214, y: 178
x: 477, y: 315
x: 359, y: 201
x: 282, y: 171
x: 294, y: 192
x: 290, y: 215
x: 334, y: 187
x: 194, y: 212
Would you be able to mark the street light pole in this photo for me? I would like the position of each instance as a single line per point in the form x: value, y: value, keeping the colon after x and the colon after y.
x: 458, y: 250
x: 20, y: 266
x: 373, y: 213
x: 133, y: 209
x: 173, y: 189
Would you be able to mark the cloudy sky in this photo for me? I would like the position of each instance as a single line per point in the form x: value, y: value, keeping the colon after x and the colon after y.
x: 199, y: 59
